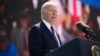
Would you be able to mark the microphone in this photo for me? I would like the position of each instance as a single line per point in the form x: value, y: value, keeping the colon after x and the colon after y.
x: 86, y: 29
x: 82, y: 27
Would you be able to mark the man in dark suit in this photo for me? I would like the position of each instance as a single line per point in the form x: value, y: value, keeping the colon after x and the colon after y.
x: 42, y: 37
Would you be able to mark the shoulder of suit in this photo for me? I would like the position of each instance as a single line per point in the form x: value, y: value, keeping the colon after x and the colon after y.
x: 35, y: 26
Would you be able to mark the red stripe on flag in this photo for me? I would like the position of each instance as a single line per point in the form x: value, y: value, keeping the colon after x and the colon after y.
x: 74, y: 16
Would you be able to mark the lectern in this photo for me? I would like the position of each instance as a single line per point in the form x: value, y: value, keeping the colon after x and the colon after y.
x: 76, y: 47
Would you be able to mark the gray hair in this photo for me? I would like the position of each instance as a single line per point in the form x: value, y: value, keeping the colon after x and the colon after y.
x: 46, y: 4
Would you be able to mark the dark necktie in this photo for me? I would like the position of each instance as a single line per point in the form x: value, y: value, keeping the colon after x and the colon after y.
x: 56, y: 38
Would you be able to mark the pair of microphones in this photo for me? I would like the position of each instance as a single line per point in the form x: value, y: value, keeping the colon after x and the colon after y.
x: 86, y: 29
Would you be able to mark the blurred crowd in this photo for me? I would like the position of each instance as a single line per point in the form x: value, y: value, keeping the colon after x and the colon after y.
x: 17, y: 16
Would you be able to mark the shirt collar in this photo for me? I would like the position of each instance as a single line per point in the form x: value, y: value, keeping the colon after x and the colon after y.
x: 48, y: 25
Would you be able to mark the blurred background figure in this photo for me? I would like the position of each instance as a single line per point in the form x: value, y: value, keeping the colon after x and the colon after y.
x: 6, y: 47
x: 6, y: 25
x: 19, y: 35
x: 66, y: 28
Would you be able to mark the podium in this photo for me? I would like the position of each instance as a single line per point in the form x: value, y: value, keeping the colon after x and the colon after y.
x: 76, y: 47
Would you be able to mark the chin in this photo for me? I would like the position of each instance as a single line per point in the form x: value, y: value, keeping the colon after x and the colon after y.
x: 53, y: 20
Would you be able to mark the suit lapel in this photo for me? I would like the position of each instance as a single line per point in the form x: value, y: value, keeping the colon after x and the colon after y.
x: 47, y: 31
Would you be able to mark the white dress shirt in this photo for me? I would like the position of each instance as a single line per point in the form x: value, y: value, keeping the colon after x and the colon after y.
x: 49, y: 27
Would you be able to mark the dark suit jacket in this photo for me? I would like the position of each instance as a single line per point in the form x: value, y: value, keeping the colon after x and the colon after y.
x: 41, y: 41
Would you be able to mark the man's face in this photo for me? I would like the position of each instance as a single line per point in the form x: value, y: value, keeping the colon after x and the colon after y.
x: 24, y: 23
x: 50, y: 14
